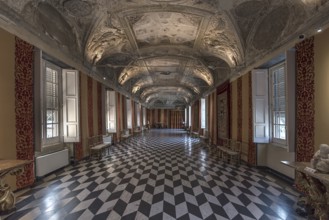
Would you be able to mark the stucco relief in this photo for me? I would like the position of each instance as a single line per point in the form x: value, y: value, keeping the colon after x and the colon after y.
x: 166, y: 28
x: 221, y: 39
x: 130, y: 72
x: 141, y: 83
x: 166, y: 91
x: 19, y: 6
x: 78, y: 8
x: 109, y: 37
x: 199, y: 72
x: 103, y: 39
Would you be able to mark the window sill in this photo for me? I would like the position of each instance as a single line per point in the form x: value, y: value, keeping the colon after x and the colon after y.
x: 283, y: 146
x: 48, y: 149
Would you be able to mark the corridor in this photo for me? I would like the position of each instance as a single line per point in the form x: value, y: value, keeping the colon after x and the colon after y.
x: 161, y: 174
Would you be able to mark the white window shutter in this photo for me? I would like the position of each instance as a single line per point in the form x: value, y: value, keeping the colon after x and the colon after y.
x: 260, y: 105
x: 71, y: 105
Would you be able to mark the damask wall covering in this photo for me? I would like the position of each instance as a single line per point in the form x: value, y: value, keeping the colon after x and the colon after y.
x: 168, y: 118
x: 100, y: 98
x: 223, y: 112
x: 233, y: 103
x: 212, y: 117
x: 196, y: 116
x: 239, y: 106
x: 305, y: 108
x: 90, y: 107
x: 24, y: 110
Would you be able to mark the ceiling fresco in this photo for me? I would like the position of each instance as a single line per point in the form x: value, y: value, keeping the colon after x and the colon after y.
x: 163, y: 53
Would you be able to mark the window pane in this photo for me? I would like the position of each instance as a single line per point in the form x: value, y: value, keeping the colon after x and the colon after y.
x: 203, y: 113
x: 55, y: 116
x: 282, y: 132
x: 282, y: 104
x: 128, y: 112
x: 110, y: 111
x: 189, y: 115
x: 276, y: 117
x: 278, y: 102
x: 282, y: 118
x: 49, y: 130
x: 281, y: 89
x: 111, y: 125
x: 49, y: 116
x: 276, y: 131
x: 52, y: 130
x: 51, y: 126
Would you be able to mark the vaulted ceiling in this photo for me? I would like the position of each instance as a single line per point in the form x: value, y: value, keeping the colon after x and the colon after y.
x: 163, y: 53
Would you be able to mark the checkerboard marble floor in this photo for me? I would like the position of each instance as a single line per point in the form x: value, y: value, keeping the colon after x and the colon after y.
x: 163, y: 174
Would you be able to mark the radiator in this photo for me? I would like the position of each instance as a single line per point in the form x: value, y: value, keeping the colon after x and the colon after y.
x: 48, y: 163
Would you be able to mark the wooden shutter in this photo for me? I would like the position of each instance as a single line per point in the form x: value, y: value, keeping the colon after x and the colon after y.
x: 71, y: 105
x: 260, y: 105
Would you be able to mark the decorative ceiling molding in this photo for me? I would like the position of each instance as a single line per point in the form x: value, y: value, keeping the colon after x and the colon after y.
x: 189, y: 46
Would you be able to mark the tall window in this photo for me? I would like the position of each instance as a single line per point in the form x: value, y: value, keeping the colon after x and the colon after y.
x: 144, y: 116
x: 129, y: 116
x: 185, y: 117
x: 56, y: 105
x: 272, y: 113
x: 203, y: 113
x: 51, y: 120
x: 138, y: 114
x: 278, y: 104
x: 189, y: 116
x: 110, y: 111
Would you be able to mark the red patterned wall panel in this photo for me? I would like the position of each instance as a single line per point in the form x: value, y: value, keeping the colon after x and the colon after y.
x: 165, y: 117
x: 24, y: 110
x: 90, y: 107
x: 176, y: 118
x: 119, y: 116
x: 239, y: 119
x: 123, y: 112
x: 133, y: 114
x: 252, y: 146
x: 224, y: 112
x: 99, y: 108
x: 305, y: 100
x: 214, y: 119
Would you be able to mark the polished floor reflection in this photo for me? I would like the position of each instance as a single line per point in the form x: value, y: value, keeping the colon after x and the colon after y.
x: 162, y: 174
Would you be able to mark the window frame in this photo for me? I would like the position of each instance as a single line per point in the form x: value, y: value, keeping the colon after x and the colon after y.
x: 137, y: 114
x: 58, y: 139
x: 144, y: 115
x: 110, y: 111
x: 273, y: 109
x: 129, y: 113
x: 189, y: 116
x: 203, y: 109
x: 69, y: 105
